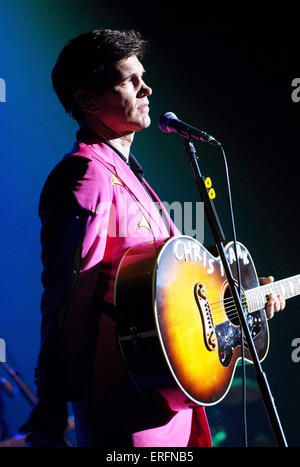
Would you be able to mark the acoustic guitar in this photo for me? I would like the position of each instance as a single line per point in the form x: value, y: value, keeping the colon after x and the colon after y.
x: 179, y: 329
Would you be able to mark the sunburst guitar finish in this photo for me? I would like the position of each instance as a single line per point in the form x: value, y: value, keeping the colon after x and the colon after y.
x: 179, y: 329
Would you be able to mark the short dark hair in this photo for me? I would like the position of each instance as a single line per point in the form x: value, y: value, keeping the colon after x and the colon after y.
x: 82, y: 63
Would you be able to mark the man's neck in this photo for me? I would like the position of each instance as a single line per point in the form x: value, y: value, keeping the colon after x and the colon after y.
x: 121, y: 143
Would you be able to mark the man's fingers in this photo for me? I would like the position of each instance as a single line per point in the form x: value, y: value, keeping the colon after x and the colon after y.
x: 274, y: 304
x: 266, y: 280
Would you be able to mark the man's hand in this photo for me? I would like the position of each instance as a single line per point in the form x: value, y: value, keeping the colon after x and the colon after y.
x: 274, y: 302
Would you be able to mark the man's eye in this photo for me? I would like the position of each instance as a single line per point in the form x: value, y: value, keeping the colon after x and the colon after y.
x: 135, y: 80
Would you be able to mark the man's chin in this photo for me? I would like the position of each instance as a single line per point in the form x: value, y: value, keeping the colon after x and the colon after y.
x: 145, y: 123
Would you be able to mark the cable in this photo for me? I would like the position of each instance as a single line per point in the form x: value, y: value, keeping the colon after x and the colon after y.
x: 244, y: 408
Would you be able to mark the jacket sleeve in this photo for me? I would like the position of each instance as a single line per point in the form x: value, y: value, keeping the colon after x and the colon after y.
x: 68, y: 206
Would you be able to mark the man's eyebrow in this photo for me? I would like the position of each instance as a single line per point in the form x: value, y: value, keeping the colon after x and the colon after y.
x: 131, y: 75
x: 138, y: 73
x: 134, y: 73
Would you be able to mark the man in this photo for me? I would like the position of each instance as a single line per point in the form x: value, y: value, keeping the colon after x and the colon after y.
x: 94, y: 193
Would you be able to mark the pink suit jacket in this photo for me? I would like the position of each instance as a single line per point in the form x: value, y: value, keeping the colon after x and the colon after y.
x: 118, y: 213
x: 123, y: 212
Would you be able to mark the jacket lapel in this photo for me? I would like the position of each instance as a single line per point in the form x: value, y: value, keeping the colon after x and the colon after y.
x: 107, y: 156
x: 172, y: 227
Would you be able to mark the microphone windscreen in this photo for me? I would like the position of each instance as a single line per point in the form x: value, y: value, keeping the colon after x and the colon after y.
x: 164, y: 120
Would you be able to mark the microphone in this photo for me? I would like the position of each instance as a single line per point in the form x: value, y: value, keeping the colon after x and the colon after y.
x: 169, y: 123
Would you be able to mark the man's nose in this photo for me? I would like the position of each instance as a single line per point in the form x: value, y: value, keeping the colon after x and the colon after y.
x: 144, y: 91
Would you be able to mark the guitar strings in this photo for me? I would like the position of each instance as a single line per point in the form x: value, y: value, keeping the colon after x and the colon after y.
x: 218, y: 315
x: 230, y: 309
x: 272, y: 287
x: 267, y: 288
x: 229, y: 305
x: 217, y: 308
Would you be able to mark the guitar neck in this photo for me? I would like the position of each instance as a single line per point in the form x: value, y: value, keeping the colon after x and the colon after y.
x: 288, y: 288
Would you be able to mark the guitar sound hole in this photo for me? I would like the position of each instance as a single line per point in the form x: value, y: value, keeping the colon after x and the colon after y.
x: 230, y: 308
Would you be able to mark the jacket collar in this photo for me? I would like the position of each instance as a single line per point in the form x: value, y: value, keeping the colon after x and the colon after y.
x: 106, y: 154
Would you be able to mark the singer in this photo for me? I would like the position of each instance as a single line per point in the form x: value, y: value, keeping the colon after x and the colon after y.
x: 99, y: 79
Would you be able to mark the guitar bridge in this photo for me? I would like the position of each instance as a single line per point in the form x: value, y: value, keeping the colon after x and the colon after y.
x: 209, y: 333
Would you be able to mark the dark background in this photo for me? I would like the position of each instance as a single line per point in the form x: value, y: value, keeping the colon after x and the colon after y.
x: 226, y: 70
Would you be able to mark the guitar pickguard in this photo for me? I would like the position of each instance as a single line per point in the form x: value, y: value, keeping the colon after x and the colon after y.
x: 229, y: 336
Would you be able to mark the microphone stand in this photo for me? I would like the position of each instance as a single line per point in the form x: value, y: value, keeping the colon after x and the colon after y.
x: 14, y: 374
x: 21, y: 385
x: 219, y: 239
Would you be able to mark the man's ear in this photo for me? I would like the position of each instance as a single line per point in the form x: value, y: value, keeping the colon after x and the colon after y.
x: 86, y: 101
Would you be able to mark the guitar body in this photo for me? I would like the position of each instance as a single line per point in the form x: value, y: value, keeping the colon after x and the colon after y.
x: 179, y: 331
